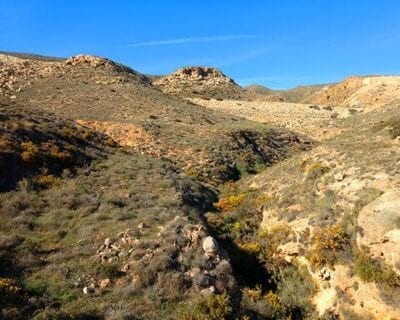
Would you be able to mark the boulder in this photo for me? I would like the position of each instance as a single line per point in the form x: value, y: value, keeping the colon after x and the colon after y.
x: 210, y: 246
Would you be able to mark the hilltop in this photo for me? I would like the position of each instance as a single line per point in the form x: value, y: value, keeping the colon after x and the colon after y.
x: 199, y: 81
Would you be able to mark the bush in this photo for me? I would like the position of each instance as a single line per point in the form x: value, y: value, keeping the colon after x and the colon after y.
x: 229, y: 203
x: 10, y: 292
x: 212, y: 307
x: 328, y: 242
x: 252, y: 248
x: 45, y: 181
x: 316, y: 170
x: 30, y: 152
x: 267, y: 305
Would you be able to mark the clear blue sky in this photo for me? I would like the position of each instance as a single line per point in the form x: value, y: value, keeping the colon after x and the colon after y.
x: 279, y: 44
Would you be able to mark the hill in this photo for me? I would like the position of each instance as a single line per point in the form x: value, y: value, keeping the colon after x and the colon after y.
x: 204, y: 82
x: 368, y: 92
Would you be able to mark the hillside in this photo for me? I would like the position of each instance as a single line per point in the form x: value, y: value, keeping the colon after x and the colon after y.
x: 362, y: 92
x: 127, y: 196
x: 107, y: 189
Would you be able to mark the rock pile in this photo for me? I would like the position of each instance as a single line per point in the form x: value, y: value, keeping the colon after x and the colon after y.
x: 84, y: 59
x: 180, y: 246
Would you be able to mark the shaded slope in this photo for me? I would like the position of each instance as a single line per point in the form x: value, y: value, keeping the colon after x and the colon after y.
x: 39, y: 146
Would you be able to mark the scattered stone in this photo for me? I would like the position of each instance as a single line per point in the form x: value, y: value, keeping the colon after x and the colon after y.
x: 325, y: 274
x: 107, y: 242
x: 88, y: 290
x: 210, y: 246
x: 208, y: 291
x: 104, y: 283
x: 339, y: 176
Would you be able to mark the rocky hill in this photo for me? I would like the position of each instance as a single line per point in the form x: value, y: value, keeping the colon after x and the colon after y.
x: 204, y: 82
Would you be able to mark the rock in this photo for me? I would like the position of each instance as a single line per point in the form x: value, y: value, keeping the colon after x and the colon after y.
x: 325, y: 274
x: 339, y: 176
x: 380, y: 232
x: 107, y: 242
x: 141, y: 225
x: 104, y: 283
x: 208, y: 291
x: 210, y: 246
x: 88, y: 290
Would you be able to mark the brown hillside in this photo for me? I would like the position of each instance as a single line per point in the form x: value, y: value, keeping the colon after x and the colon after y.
x: 369, y: 92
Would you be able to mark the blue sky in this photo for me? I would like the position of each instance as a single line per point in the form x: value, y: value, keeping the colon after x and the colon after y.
x: 279, y: 44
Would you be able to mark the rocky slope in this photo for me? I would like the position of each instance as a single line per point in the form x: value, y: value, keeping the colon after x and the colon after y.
x: 362, y: 92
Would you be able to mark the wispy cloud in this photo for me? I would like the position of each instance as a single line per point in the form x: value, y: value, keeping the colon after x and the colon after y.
x: 167, y: 42
x: 244, y: 56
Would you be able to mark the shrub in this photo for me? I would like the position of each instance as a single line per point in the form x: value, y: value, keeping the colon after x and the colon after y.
x: 296, y: 288
x: 273, y: 237
x: 10, y: 292
x: 267, y: 305
x: 45, y: 181
x: 56, y: 154
x: 212, y: 307
x: 328, y: 242
x: 30, y: 152
x: 316, y: 170
x: 253, y: 248
x: 229, y: 203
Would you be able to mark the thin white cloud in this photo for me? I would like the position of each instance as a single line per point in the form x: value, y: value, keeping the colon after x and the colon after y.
x: 244, y: 56
x: 191, y: 40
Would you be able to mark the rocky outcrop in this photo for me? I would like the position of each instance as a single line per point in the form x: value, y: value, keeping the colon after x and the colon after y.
x: 379, y: 224
x: 205, y: 82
